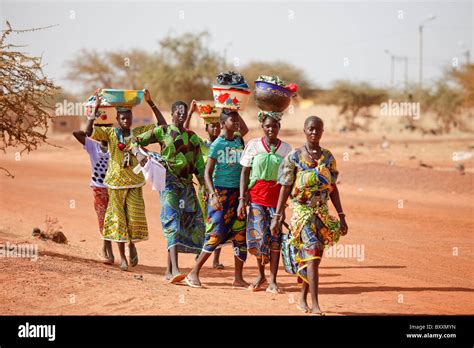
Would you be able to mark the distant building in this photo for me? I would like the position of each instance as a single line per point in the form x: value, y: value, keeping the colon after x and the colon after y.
x: 142, y: 115
x: 65, y: 124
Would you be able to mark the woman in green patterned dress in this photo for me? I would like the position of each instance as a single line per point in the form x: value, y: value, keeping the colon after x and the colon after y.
x: 181, y: 217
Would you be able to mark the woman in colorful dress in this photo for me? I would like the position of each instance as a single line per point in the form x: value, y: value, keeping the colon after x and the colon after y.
x: 222, y: 177
x: 308, y: 175
x: 258, y: 182
x: 125, y: 219
x: 181, y: 217
x: 213, y: 129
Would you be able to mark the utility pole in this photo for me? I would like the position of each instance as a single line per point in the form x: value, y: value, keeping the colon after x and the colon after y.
x: 392, y: 66
x: 405, y: 59
x: 393, y: 59
x: 420, y: 54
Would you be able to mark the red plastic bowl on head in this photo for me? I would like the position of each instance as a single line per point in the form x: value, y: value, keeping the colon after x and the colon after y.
x: 230, y: 98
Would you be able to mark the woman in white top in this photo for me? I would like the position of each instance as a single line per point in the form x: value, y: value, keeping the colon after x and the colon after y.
x: 259, y: 188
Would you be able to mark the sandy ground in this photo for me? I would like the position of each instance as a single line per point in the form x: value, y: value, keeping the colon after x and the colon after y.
x: 414, y: 225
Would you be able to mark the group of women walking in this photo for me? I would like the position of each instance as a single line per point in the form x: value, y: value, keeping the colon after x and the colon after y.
x: 243, y: 190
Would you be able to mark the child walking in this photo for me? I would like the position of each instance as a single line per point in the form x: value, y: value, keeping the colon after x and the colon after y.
x: 222, y: 177
x: 99, y: 157
x: 213, y: 130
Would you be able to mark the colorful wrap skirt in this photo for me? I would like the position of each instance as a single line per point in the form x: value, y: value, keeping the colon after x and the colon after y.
x: 224, y: 225
x: 181, y: 216
x: 101, y: 201
x: 125, y: 219
x: 312, y: 229
x: 260, y: 241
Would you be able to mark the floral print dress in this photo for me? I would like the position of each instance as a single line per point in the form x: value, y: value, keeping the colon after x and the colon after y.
x: 311, y: 226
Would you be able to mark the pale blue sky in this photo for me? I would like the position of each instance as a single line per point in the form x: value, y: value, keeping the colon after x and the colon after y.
x: 314, y: 35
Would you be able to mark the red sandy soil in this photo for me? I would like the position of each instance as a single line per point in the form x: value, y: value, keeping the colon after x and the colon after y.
x: 408, y: 265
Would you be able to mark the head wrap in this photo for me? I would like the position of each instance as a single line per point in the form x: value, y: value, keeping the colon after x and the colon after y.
x: 211, y: 119
x: 123, y: 109
x: 261, y: 115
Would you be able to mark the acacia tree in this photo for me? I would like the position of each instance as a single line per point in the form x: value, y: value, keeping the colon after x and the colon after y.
x: 445, y: 101
x: 182, y: 68
x: 25, y: 97
x: 465, y: 78
x: 110, y: 69
x: 354, y: 100
x: 185, y: 68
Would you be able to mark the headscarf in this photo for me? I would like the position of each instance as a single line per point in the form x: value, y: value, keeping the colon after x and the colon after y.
x: 261, y: 115
x: 211, y: 119
x: 122, y: 109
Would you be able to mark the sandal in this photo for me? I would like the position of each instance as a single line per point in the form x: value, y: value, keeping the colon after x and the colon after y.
x: 189, y: 283
x: 218, y: 266
x: 259, y: 286
x: 124, y: 267
x: 274, y: 291
x: 303, y: 309
x: 133, y: 256
x: 177, y: 278
x: 109, y: 260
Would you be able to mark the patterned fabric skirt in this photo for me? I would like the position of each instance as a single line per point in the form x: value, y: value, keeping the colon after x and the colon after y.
x: 310, y: 235
x: 101, y: 200
x: 260, y: 241
x: 181, y: 216
x: 125, y: 219
x: 202, y: 204
x: 224, y: 225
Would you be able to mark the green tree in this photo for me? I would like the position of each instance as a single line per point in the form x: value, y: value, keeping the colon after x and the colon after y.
x: 184, y: 68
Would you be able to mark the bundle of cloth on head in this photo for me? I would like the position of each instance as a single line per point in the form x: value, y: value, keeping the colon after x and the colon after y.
x: 231, y: 78
x: 261, y: 115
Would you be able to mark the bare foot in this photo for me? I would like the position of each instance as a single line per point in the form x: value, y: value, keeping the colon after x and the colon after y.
x: 258, y: 283
x: 104, y: 256
x: 240, y: 284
